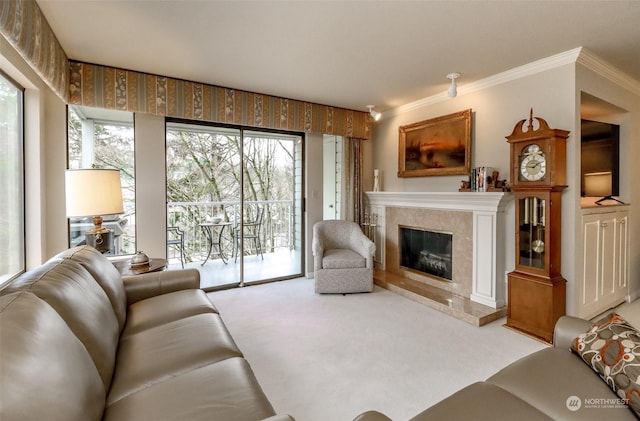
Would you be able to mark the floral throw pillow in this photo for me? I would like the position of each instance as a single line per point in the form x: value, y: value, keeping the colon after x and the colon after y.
x: 612, y: 348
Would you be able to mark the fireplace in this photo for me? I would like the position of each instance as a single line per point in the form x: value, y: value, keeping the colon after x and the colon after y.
x: 477, y: 249
x: 426, y: 251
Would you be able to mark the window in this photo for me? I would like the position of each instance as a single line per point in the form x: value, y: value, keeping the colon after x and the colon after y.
x: 103, y: 138
x: 12, y: 254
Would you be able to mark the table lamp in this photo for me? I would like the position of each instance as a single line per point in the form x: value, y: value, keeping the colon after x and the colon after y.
x: 94, y: 192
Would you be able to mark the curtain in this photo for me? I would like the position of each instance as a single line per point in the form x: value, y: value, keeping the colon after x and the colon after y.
x: 352, y: 180
x: 24, y: 26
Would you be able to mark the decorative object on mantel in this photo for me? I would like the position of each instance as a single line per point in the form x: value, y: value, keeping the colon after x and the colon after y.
x: 376, y: 180
x: 536, y: 288
x: 439, y: 146
x: 490, y: 183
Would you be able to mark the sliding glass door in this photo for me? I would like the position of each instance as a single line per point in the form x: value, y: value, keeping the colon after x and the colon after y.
x: 235, y: 196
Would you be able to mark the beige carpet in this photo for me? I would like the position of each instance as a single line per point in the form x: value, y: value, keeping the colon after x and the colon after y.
x: 629, y: 311
x: 331, y: 357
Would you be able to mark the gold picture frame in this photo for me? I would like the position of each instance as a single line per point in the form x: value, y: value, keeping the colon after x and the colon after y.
x: 438, y: 146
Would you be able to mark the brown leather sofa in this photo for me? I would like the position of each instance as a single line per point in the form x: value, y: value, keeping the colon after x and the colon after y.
x: 78, y: 342
x: 550, y: 384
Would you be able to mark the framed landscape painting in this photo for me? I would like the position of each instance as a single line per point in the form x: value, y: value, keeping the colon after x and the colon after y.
x: 439, y: 146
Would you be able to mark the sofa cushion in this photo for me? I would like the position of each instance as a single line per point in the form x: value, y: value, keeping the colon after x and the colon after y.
x: 481, y: 401
x: 147, y: 285
x: 612, y: 349
x: 342, y: 259
x: 226, y: 390
x: 535, y: 380
x: 75, y: 295
x: 165, y: 308
x: 165, y: 351
x: 105, y: 274
x: 45, y: 372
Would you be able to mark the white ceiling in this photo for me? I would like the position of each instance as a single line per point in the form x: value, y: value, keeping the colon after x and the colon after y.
x: 341, y: 53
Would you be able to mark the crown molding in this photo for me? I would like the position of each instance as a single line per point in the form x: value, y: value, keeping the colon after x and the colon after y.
x: 578, y: 55
x: 606, y: 70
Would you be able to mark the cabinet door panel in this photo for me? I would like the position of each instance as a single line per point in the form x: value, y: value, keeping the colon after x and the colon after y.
x: 622, y: 252
x: 591, y: 259
x: 608, y: 259
x: 603, y: 272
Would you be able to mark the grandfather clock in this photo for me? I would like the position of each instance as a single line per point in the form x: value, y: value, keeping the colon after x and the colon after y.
x: 536, y: 289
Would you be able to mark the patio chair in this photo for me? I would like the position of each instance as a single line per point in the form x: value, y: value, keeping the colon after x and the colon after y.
x: 175, y: 237
x: 251, y: 232
x: 342, y: 257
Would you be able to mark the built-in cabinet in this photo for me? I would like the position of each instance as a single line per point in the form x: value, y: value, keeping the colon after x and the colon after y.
x: 603, y: 269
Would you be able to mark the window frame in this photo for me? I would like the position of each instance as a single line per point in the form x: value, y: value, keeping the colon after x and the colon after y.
x: 105, y: 118
x: 23, y: 205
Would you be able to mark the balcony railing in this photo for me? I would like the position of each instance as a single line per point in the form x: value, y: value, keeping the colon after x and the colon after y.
x: 277, y: 230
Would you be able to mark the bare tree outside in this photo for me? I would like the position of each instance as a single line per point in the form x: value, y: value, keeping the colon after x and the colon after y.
x: 204, y: 181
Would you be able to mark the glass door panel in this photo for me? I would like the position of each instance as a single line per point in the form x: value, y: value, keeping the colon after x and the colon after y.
x: 531, y: 233
x: 203, y: 199
x: 234, y: 235
x: 272, y: 192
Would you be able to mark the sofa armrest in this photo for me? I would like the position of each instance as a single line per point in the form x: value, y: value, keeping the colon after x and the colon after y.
x: 147, y: 285
x: 567, y: 329
x: 372, y: 416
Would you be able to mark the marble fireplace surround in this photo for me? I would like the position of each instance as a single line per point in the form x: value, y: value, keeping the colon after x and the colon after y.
x: 476, y: 221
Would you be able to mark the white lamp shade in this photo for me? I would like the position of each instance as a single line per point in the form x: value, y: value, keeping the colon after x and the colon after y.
x: 597, y: 184
x: 93, y: 192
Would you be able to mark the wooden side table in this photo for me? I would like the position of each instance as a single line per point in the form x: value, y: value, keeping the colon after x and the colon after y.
x: 125, y: 268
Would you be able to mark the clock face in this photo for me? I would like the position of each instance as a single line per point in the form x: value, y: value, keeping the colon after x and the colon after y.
x: 533, y: 163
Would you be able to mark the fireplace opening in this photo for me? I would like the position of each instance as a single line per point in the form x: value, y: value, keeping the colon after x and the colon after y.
x: 426, y: 251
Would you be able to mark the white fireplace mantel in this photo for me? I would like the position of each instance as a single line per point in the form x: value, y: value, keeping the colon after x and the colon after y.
x: 461, y: 201
x: 488, y: 208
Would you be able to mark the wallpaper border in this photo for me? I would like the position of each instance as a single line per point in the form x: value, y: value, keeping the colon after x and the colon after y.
x: 100, y: 86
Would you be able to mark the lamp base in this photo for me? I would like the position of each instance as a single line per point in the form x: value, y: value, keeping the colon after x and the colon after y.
x: 101, y: 241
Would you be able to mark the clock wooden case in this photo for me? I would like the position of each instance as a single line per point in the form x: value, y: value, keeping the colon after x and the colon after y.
x: 536, y: 289
x: 538, y: 157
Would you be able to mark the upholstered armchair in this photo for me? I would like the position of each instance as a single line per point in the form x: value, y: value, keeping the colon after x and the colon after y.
x: 343, y: 257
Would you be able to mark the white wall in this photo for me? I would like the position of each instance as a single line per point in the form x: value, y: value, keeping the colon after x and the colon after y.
x: 496, y: 110
x: 554, y: 95
x: 151, y: 192
x: 45, y: 160
x: 313, y: 191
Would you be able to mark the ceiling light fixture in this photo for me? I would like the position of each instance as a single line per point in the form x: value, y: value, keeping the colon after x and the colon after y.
x: 453, y: 88
x: 376, y: 115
